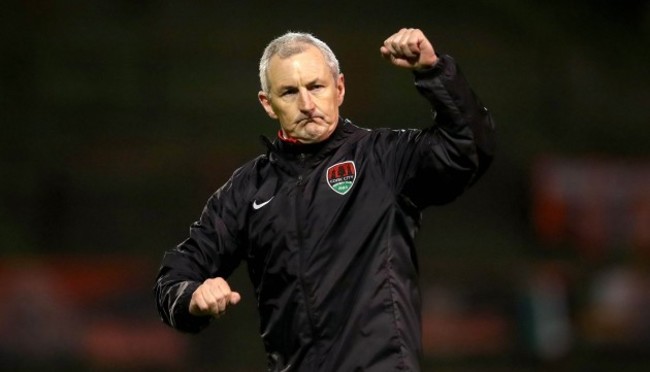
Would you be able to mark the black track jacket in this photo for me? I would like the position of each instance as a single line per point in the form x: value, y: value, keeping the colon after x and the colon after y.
x: 327, y: 232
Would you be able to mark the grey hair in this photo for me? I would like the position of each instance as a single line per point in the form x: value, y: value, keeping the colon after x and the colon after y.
x: 292, y: 43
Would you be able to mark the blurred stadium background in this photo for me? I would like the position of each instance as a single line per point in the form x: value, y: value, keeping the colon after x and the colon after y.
x: 119, y: 119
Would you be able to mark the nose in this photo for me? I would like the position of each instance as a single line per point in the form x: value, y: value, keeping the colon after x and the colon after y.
x: 305, y: 102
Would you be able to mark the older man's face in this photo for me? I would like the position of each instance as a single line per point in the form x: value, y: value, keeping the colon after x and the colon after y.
x: 303, y: 95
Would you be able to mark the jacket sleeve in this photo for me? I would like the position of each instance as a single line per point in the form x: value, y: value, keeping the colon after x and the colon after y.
x: 436, y: 164
x: 211, y: 250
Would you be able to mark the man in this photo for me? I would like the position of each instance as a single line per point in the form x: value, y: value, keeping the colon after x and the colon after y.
x: 326, y: 219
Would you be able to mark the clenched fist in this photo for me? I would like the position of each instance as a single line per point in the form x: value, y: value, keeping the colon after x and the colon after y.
x: 409, y: 48
x: 212, y: 298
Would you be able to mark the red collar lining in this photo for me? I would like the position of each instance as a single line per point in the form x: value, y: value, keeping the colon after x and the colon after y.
x: 288, y: 140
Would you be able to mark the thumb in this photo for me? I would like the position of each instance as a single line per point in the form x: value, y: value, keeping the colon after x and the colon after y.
x: 234, y: 299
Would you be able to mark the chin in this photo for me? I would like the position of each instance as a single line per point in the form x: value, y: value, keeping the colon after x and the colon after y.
x: 318, y: 131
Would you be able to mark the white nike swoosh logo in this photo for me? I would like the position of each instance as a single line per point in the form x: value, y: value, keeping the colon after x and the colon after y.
x: 260, y: 205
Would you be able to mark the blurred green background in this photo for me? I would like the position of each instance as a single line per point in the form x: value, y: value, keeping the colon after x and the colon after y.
x: 120, y: 118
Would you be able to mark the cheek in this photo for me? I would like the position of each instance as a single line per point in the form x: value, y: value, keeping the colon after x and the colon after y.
x: 288, y: 114
x: 282, y: 111
x: 332, y: 106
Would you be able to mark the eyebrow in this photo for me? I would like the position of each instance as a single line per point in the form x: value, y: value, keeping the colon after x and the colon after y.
x: 282, y: 88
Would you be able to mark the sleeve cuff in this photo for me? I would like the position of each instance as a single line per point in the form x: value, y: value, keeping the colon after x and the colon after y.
x: 182, y: 317
x: 433, y: 71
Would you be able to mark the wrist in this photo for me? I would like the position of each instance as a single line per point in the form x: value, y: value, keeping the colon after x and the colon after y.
x: 430, y: 69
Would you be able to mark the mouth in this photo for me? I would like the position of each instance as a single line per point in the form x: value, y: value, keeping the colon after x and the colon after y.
x: 310, y: 119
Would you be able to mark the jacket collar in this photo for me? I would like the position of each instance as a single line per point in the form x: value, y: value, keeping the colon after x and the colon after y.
x: 290, y: 151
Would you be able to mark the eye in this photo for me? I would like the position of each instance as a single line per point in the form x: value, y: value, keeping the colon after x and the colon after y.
x: 316, y: 87
x: 288, y: 91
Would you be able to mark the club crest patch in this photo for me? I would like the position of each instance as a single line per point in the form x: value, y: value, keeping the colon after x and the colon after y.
x: 340, y: 177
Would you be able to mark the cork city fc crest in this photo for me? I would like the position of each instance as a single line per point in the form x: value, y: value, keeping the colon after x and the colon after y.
x: 340, y: 177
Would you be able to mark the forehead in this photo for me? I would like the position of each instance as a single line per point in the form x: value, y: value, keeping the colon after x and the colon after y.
x: 310, y: 64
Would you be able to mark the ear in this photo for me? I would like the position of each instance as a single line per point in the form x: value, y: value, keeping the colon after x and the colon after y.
x: 266, y: 104
x: 340, y: 89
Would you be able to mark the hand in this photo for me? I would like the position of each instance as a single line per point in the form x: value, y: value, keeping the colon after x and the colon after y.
x: 409, y: 48
x: 212, y: 298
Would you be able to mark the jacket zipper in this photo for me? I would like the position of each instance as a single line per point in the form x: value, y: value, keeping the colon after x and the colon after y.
x: 301, y: 279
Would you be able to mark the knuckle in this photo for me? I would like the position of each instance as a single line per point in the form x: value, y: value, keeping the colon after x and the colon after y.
x: 203, y: 306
